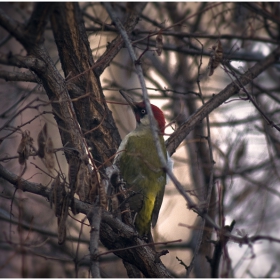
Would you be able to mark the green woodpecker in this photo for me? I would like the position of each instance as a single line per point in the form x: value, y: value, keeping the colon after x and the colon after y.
x: 141, y: 170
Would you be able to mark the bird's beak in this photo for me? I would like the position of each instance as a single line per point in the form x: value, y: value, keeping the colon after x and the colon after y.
x: 128, y: 99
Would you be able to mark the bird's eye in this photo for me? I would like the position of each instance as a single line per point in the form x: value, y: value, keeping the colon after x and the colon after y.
x: 143, y: 111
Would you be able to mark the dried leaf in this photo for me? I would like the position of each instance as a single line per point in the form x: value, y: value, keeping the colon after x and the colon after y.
x: 61, y: 203
x: 240, y: 154
x: 61, y: 231
x: 74, y: 167
x: 25, y: 147
x: 49, y: 157
x: 41, y: 140
x: 45, y: 147
x: 216, y: 57
x: 58, y: 195
x: 159, y: 44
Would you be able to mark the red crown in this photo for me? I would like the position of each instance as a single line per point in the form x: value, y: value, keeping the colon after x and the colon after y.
x: 158, y: 114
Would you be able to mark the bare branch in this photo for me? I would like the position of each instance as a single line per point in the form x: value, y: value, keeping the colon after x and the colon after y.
x: 32, y: 33
x: 30, y: 62
x: 12, y: 26
x: 93, y: 114
x: 255, y: 7
x: 18, y: 76
x: 181, y: 133
x: 37, y: 23
x: 116, y: 45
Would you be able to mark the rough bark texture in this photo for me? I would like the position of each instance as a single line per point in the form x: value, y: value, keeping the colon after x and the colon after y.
x: 91, y: 109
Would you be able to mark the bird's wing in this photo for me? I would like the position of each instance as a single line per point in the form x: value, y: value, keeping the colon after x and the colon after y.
x: 158, y: 203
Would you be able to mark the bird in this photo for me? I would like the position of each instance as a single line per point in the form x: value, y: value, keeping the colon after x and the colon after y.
x: 141, y: 169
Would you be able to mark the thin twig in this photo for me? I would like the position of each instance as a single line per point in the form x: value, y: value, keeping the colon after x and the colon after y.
x: 270, y: 122
x: 211, y: 183
x: 141, y: 245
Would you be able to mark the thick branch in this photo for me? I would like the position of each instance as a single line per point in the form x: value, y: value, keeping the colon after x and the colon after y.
x: 18, y: 76
x: 94, y: 219
x: 31, y: 34
x: 92, y: 111
x: 117, y: 44
x: 13, y: 27
x: 36, y: 25
x: 54, y: 84
x: 143, y: 257
x: 20, y: 61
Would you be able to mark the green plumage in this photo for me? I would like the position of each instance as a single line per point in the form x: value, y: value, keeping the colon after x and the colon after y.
x: 140, y: 168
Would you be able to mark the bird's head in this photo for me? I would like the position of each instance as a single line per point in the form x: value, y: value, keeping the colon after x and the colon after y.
x: 141, y: 114
x: 142, y: 117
